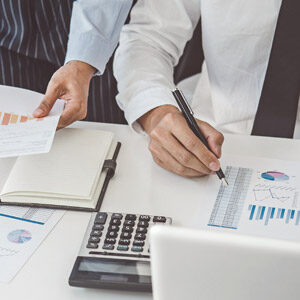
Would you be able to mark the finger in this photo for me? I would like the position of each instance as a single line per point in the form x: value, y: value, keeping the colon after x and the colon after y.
x: 73, y: 111
x: 214, y: 138
x: 52, y: 94
x: 177, y: 150
x: 183, y: 133
x: 166, y: 161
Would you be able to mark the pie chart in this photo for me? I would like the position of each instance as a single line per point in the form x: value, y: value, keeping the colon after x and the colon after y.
x: 274, y: 176
x: 19, y: 236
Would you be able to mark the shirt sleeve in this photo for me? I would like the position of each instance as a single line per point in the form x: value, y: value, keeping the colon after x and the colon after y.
x: 94, y: 30
x: 150, y: 47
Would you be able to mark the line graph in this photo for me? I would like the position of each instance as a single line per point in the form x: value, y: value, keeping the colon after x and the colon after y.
x: 7, y: 252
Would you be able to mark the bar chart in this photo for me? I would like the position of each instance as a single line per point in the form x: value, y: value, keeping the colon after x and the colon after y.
x: 266, y: 214
x: 11, y: 118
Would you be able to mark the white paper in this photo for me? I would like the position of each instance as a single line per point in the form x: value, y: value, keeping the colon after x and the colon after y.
x: 22, y: 231
x: 262, y: 199
x: 20, y: 134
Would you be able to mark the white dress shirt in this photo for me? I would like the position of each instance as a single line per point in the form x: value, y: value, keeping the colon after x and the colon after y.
x: 95, y: 29
x: 237, y: 40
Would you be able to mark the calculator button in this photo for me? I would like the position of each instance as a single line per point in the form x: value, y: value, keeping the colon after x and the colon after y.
x: 96, y: 233
x: 159, y: 219
x: 137, y: 249
x: 110, y: 241
x: 116, y: 222
x: 141, y: 230
x: 140, y: 236
x: 129, y: 223
x: 100, y: 218
x: 111, y: 234
x: 130, y: 217
x: 122, y: 248
x: 98, y: 227
x: 94, y: 239
x: 124, y: 242
x: 138, y: 243
x: 127, y: 228
x: 143, y: 224
x: 108, y: 247
x: 117, y: 216
x: 113, y: 228
x: 126, y: 235
x: 144, y: 218
x: 92, y: 245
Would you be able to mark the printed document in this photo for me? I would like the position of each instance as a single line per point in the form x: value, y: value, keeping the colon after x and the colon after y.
x: 20, y: 133
x: 262, y: 199
x: 22, y: 231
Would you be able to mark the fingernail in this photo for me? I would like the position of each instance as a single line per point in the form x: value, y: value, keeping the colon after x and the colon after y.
x: 38, y: 111
x: 214, y: 166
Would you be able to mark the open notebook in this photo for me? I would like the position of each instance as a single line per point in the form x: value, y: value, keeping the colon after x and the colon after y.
x: 71, y: 176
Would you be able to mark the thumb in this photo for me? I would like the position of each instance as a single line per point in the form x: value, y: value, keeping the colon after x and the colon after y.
x: 47, y: 103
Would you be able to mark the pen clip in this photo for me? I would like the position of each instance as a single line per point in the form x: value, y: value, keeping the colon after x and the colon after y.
x: 185, y: 101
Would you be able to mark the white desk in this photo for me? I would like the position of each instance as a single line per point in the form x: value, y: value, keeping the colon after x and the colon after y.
x: 139, y: 186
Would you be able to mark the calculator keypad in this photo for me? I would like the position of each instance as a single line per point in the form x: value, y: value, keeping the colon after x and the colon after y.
x: 123, y: 234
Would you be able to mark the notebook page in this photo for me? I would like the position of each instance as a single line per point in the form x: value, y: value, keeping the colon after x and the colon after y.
x: 70, y: 168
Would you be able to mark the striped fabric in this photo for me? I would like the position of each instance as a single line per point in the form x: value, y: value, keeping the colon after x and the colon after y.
x: 33, y: 41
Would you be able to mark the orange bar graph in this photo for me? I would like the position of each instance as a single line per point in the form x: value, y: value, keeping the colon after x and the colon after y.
x: 23, y: 119
x: 13, y: 119
x: 5, y: 119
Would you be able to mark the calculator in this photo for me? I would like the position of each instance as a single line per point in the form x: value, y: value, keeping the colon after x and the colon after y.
x: 115, y: 252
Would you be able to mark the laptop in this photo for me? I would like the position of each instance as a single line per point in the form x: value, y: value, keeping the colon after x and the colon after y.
x: 189, y: 264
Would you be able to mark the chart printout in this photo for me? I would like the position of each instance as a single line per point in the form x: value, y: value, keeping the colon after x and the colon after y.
x: 22, y: 231
x: 22, y: 134
x: 262, y: 199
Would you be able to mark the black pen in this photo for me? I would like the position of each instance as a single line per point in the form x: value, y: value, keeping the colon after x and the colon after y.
x: 188, y: 115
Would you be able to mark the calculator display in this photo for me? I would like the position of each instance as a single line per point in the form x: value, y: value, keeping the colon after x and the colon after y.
x: 108, y: 266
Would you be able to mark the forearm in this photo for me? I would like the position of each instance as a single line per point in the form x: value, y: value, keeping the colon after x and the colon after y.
x: 94, y: 30
x: 150, y: 47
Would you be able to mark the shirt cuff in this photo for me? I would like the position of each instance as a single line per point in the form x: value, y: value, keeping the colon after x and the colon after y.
x: 144, y: 102
x: 89, y: 49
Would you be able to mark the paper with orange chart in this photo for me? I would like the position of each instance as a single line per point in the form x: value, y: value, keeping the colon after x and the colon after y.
x: 20, y: 133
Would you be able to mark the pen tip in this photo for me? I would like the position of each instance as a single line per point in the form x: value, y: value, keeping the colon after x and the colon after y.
x: 224, y: 181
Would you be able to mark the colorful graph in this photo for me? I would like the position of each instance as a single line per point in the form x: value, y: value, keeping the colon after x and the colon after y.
x: 272, y: 192
x: 10, y: 118
x: 265, y: 214
x: 274, y: 176
x: 19, y: 236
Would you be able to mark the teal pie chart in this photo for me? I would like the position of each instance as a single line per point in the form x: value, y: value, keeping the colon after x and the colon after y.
x: 275, y: 176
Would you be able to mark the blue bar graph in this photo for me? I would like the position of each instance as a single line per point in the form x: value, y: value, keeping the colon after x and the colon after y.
x: 272, y: 213
x: 262, y: 212
x: 293, y: 214
x: 265, y: 214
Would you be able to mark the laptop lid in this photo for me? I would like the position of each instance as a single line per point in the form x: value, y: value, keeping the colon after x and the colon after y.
x: 191, y: 264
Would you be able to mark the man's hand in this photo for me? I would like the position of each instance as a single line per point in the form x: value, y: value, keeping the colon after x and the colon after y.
x: 71, y: 83
x: 175, y: 147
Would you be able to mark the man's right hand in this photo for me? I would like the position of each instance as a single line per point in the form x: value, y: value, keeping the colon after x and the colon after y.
x: 175, y: 147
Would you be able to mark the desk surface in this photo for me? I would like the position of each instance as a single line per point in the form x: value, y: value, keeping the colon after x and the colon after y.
x: 139, y: 186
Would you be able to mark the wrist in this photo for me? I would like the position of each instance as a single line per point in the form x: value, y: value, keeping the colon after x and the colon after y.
x: 149, y: 120
x: 83, y: 67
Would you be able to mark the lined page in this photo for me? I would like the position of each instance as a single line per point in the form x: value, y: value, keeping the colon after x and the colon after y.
x: 70, y: 168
